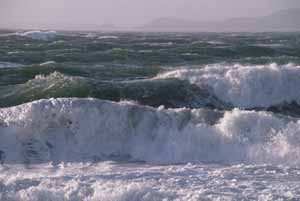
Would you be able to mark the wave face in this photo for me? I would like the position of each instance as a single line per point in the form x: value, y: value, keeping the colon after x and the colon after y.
x: 154, y: 92
x: 246, y: 86
x: 87, y: 129
x: 264, y: 87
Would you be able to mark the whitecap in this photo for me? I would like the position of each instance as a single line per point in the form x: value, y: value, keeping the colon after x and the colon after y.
x: 108, y: 37
x: 39, y: 35
x: 75, y: 130
x: 246, y: 86
x: 47, y: 63
x: 9, y: 65
x: 215, y: 42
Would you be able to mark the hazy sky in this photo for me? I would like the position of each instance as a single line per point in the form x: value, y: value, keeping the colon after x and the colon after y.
x: 88, y: 14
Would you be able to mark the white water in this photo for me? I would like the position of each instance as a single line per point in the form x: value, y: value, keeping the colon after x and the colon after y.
x: 47, y: 63
x: 39, y: 35
x: 108, y: 37
x: 108, y: 181
x: 9, y: 65
x: 90, y: 130
x: 60, y: 149
x: 246, y: 86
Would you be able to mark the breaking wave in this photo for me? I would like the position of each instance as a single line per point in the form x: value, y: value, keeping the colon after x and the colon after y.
x: 89, y: 129
x: 246, y: 86
x: 108, y: 37
x: 39, y: 35
x: 168, y: 92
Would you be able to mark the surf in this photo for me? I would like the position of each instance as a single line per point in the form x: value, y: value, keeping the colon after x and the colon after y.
x: 74, y: 130
x: 245, y: 86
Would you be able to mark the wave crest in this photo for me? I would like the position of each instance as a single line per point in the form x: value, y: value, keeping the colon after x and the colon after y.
x: 89, y: 129
x: 246, y: 86
x: 167, y: 92
x: 39, y: 35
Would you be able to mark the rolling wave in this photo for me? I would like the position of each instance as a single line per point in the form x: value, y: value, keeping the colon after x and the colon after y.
x: 260, y: 86
x: 167, y: 92
x: 89, y: 129
x: 39, y: 35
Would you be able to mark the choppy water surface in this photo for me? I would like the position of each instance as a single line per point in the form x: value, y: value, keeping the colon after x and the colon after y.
x: 149, y: 116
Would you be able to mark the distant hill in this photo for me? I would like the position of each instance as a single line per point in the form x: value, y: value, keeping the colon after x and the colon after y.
x: 284, y: 20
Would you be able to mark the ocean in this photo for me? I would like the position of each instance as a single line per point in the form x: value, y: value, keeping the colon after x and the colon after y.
x: 99, y: 116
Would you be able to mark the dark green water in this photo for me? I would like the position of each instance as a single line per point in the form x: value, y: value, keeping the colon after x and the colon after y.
x: 124, y: 65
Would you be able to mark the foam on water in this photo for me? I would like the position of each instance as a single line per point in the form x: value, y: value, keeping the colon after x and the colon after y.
x: 47, y: 63
x: 108, y: 37
x: 88, y: 129
x: 9, y: 65
x: 246, y: 86
x: 39, y: 35
x: 107, y: 181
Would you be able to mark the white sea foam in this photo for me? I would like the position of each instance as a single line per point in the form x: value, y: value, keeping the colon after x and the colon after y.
x: 107, y: 181
x: 215, y: 42
x: 88, y: 129
x: 68, y: 138
x: 47, y: 63
x: 246, y: 86
x: 154, y: 44
x: 274, y: 45
x: 145, y: 51
x: 39, y: 35
x: 9, y: 65
x: 14, y: 52
x: 108, y: 37
x: 91, y: 35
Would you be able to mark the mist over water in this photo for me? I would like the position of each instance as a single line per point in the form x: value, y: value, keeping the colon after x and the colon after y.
x: 92, y: 15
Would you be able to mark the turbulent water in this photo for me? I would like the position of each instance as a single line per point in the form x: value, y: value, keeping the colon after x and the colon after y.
x: 149, y: 116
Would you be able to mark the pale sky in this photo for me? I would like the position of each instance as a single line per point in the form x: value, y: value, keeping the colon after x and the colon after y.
x: 88, y: 14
